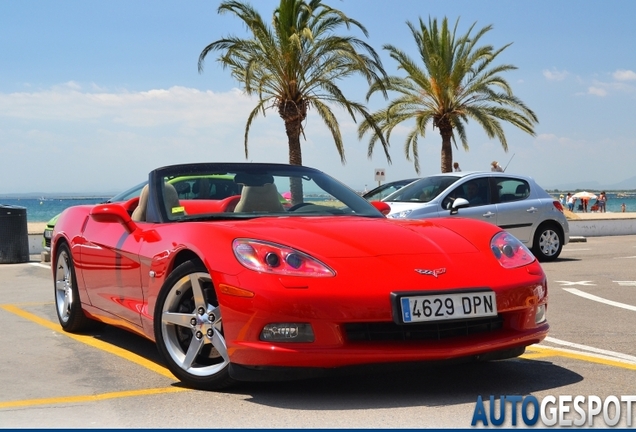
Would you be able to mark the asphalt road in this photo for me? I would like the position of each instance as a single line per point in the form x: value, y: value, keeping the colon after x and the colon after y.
x: 114, y: 379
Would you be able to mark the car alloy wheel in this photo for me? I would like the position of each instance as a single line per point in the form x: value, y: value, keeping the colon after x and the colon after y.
x: 188, y: 328
x: 67, y: 300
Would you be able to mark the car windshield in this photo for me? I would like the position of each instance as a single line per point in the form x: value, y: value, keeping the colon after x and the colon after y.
x: 229, y: 191
x: 385, y: 190
x: 423, y: 190
x: 129, y: 193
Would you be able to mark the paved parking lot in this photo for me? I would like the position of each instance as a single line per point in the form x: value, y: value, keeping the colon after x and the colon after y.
x: 110, y: 378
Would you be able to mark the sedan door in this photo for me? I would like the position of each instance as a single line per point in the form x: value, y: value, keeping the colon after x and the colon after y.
x: 477, y: 192
x: 517, y: 212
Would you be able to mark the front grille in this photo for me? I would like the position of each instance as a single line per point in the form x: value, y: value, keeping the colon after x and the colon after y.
x: 373, y: 332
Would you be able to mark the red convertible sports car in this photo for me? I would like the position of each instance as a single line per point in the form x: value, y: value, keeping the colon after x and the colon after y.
x: 237, y: 285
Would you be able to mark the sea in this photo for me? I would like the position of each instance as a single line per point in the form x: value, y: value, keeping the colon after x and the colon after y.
x: 43, y: 209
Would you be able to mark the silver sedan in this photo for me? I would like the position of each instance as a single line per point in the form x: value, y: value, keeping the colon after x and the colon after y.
x: 513, y: 202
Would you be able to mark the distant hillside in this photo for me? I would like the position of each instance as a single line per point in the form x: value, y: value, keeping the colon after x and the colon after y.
x: 629, y: 184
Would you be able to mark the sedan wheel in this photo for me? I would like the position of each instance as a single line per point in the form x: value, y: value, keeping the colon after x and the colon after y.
x: 67, y: 300
x: 547, y: 243
x: 188, y: 328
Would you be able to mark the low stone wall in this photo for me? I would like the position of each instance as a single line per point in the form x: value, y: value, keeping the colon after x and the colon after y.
x: 35, y: 244
x: 602, y: 227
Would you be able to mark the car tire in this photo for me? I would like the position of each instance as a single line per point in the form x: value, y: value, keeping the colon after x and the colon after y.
x: 548, y: 242
x: 67, y: 299
x: 188, y: 328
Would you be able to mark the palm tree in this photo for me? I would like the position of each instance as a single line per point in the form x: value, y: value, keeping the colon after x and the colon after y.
x: 295, y: 65
x: 455, y: 84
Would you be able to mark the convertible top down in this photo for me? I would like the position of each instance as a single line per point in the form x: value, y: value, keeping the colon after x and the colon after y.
x: 234, y: 282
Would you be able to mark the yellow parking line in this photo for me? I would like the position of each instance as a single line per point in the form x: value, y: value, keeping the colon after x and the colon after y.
x: 88, y: 340
x: 556, y: 352
x: 535, y: 355
x: 90, y: 398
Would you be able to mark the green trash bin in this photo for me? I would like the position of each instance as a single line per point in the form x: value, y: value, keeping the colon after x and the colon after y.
x: 14, y: 235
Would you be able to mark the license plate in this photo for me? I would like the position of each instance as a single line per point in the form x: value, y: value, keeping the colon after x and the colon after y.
x: 450, y: 306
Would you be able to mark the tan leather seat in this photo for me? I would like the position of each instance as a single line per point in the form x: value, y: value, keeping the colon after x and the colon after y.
x: 139, y: 214
x: 171, y: 199
x: 263, y: 198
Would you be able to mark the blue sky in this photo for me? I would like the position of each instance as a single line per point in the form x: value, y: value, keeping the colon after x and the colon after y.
x: 94, y: 95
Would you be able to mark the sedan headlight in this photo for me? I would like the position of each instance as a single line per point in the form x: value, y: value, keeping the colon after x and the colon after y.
x: 509, y: 251
x: 48, y: 234
x: 269, y: 257
x: 400, y: 215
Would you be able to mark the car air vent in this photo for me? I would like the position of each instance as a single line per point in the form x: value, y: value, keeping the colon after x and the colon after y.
x: 373, y: 332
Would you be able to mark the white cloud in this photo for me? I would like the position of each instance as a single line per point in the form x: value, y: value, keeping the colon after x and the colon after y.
x: 624, y: 75
x: 546, y: 137
x: 555, y: 75
x: 597, y: 91
x: 112, y: 139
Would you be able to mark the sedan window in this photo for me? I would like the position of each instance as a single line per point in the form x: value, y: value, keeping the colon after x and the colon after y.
x: 475, y: 191
x: 512, y: 189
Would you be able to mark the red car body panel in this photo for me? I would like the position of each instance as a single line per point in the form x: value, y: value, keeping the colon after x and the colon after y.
x: 120, y: 273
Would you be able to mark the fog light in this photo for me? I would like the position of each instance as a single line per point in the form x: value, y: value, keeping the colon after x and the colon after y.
x: 287, y: 332
x: 539, y: 317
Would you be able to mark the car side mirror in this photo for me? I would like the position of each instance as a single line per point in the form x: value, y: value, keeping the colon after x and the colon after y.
x: 109, y: 213
x: 382, y: 207
x: 459, y: 203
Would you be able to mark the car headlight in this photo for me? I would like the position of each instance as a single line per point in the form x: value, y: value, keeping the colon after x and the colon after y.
x: 400, y: 215
x: 269, y: 257
x: 48, y: 234
x: 509, y: 251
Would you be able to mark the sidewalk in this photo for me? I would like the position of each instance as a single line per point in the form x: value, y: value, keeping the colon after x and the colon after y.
x: 599, y: 216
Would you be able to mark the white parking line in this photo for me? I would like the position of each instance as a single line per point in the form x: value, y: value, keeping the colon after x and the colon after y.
x: 46, y: 266
x: 627, y: 257
x: 611, y: 354
x: 600, y: 299
x: 583, y: 283
x: 626, y: 283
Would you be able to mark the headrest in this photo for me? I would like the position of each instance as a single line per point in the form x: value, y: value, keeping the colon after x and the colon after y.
x: 253, y: 179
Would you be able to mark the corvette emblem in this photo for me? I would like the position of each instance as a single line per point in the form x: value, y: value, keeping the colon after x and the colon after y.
x: 435, y: 272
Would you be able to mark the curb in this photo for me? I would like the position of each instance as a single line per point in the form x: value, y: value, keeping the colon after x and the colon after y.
x: 578, y: 239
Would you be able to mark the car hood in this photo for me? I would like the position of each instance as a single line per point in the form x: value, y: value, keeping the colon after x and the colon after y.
x: 422, y: 208
x: 349, y: 237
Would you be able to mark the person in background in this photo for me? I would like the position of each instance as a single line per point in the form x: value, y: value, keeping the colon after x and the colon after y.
x: 570, y: 201
x: 623, y: 207
x: 602, y: 202
x: 496, y: 167
x: 584, y: 201
x: 456, y: 167
x: 562, y: 200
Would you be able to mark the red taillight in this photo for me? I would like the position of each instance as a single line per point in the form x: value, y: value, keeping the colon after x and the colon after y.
x: 509, y: 251
x: 558, y: 206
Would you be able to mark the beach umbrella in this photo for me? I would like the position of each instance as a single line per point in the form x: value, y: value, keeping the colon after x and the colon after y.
x: 585, y: 195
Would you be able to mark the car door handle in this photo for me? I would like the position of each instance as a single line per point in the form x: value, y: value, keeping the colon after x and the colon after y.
x: 532, y: 210
x: 488, y: 214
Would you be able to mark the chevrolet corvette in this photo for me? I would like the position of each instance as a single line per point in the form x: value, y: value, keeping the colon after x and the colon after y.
x: 238, y: 286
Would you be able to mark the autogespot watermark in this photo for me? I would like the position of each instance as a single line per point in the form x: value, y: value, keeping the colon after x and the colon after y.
x: 563, y: 410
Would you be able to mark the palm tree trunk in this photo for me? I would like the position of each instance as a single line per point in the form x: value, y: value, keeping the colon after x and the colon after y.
x: 446, y: 131
x: 293, y: 129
